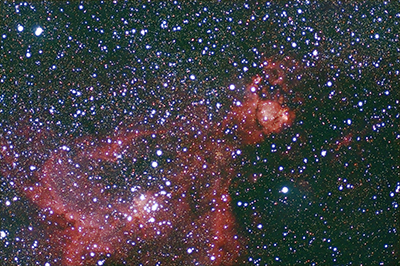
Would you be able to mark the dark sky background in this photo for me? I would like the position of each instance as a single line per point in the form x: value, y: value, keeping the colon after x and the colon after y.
x: 101, y: 64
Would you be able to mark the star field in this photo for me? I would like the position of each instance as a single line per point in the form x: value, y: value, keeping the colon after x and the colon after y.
x: 199, y: 133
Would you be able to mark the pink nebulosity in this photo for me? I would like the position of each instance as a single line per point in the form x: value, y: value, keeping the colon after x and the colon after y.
x: 99, y: 207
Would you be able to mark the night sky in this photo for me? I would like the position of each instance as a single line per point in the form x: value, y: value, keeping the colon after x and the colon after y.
x: 107, y: 105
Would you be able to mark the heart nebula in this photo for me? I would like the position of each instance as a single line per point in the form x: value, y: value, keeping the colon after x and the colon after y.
x: 148, y: 193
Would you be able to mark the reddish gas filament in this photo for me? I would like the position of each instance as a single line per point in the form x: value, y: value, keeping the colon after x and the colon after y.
x: 183, y: 217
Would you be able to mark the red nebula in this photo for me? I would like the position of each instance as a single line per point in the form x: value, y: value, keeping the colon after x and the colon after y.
x: 145, y: 195
x: 257, y: 116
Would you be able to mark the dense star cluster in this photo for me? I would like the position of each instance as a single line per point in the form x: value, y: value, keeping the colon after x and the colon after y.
x: 199, y: 133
